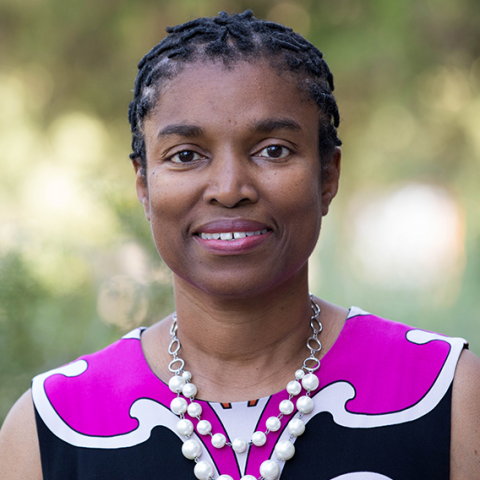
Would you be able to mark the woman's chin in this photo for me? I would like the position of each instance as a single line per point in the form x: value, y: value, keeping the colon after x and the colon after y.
x: 237, y: 284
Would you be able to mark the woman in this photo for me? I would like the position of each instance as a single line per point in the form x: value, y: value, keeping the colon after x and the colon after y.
x: 237, y: 160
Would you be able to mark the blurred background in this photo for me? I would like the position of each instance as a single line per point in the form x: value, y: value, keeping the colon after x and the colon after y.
x: 77, y: 265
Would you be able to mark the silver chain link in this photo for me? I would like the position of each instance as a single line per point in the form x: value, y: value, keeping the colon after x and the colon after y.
x: 175, y: 342
x: 317, y: 328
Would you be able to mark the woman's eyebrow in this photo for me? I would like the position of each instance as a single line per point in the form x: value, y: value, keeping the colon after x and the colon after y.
x: 262, y: 126
x: 181, y: 130
x: 272, y: 124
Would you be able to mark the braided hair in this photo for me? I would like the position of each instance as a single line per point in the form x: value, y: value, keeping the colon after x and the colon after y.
x: 232, y: 38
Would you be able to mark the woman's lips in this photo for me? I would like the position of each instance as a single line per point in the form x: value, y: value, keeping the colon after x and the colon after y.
x: 229, y: 236
x: 233, y: 242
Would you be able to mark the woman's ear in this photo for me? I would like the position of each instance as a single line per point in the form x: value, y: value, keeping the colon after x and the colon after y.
x: 141, y: 186
x: 330, y: 178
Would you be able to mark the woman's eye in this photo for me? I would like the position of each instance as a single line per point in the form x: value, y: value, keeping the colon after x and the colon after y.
x: 274, y: 151
x: 185, y: 156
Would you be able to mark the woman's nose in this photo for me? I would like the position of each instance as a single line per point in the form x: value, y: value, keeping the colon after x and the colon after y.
x: 231, y: 181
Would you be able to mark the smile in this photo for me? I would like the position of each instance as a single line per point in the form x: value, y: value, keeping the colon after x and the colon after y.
x: 229, y: 236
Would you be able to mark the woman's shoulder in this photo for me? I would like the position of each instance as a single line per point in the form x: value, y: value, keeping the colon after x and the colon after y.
x: 465, y: 452
x: 389, y: 368
x: 19, y: 449
x: 62, y: 396
x: 100, y: 396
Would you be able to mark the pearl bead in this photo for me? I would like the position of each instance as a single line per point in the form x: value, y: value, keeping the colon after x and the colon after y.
x: 239, y: 445
x: 224, y: 477
x: 259, y: 439
x: 299, y: 374
x: 285, y: 450
x: 219, y: 440
x: 248, y: 477
x: 294, y: 387
x: 310, y: 382
x: 194, y: 409
x: 286, y: 407
x: 305, y: 404
x: 203, y: 470
x: 178, y: 405
x: 185, y: 427
x: 189, y: 390
x: 204, y: 427
x: 269, y: 470
x: 296, y: 427
x: 191, y: 449
x: 273, y: 423
x: 176, y: 383
x: 187, y: 375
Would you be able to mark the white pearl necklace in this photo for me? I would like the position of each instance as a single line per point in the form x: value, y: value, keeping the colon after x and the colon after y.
x: 181, y: 384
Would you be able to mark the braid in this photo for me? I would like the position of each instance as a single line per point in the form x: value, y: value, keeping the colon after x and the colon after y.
x: 231, y: 38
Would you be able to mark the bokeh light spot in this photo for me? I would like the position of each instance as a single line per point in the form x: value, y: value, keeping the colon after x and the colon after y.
x: 78, y: 139
x: 409, y: 238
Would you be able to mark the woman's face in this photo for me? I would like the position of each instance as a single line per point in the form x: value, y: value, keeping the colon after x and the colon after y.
x: 234, y: 191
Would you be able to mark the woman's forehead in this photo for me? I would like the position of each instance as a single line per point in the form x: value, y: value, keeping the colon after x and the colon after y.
x: 246, y: 91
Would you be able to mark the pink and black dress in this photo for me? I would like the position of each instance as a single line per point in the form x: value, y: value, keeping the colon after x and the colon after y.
x: 382, y: 411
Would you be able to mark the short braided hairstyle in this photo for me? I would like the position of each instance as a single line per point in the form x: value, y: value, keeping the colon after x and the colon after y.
x: 233, y: 38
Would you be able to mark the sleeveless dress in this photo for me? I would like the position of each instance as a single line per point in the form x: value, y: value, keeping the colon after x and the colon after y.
x: 382, y: 411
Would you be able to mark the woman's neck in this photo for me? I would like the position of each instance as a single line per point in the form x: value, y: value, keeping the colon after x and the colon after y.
x: 236, y: 330
x: 240, y: 349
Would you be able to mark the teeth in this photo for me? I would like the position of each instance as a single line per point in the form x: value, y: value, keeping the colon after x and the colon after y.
x: 231, y: 235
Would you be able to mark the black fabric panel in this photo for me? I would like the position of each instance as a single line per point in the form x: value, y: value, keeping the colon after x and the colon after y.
x: 417, y: 450
x: 159, y: 458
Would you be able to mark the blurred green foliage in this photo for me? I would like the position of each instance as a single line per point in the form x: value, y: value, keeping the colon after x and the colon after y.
x: 77, y: 264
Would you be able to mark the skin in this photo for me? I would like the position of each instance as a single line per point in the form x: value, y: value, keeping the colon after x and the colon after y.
x: 251, y: 302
